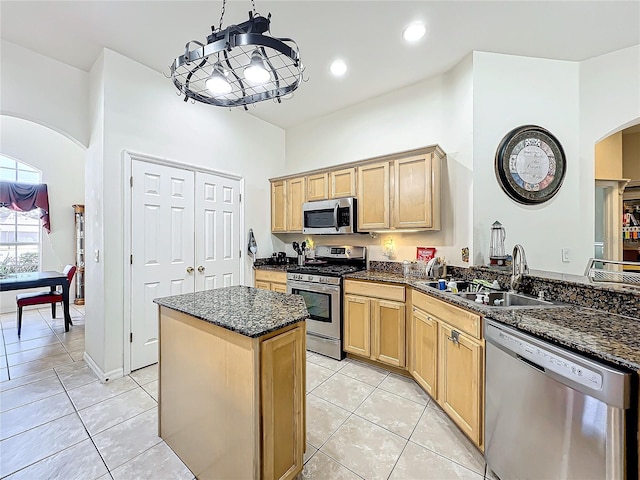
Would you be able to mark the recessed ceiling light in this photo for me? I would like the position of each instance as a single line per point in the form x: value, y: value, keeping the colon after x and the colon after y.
x: 338, y: 68
x: 414, y: 32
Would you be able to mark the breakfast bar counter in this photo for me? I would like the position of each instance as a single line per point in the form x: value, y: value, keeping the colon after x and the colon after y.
x: 232, y: 382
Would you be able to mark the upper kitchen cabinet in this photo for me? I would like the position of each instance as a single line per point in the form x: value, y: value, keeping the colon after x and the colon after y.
x: 317, y: 187
x: 342, y: 183
x: 373, y: 196
x: 296, y: 196
x: 287, y: 197
x: 398, y: 192
x: 279, y: 206
x: 409, y: 183
x: 416, y: 196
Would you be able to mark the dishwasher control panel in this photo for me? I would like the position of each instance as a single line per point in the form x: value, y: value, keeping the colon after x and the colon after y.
x: 551, y: 361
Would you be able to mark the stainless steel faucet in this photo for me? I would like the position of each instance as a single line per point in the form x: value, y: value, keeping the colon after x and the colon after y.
x: 519, y: 266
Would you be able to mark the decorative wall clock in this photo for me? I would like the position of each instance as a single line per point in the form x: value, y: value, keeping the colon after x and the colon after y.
x: 530, y: 164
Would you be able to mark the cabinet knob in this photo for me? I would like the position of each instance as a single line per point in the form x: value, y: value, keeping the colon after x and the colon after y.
x: 201, y: 269
x: 189, y: 269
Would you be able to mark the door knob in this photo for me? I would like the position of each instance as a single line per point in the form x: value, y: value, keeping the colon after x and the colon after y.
x: 189, y: 269
x: 201, y: 269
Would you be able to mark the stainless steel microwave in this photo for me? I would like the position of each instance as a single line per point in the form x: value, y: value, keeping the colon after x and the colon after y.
x: 329, y: 216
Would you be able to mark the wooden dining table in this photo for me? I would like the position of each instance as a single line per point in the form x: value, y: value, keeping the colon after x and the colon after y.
x: 51, y: 279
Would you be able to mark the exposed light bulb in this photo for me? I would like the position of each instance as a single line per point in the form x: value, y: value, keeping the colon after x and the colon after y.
x: 256, y: 72
x: 414, y: 32
x: 338, y: 67
x: 217, y: 83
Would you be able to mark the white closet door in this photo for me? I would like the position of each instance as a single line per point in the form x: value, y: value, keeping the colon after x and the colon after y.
x: 217, y: 227
x: 162, y: 243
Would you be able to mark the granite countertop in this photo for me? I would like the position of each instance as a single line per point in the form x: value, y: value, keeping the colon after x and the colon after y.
x: 249, y: 311
x: 599, y: 334
x: 276, y: 268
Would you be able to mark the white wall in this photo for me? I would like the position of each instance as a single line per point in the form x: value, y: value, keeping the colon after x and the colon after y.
x: 95, y: 331
x: 435, y: 111
x: 45, y: 91
x: 510, y: 91
x: 609, y: 102
x: 61, y: 162
x: 143, y: 114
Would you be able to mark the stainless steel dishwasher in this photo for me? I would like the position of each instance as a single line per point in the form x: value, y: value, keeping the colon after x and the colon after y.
x: 552, y: 414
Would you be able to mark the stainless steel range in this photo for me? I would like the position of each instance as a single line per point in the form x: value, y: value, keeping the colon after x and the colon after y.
x: 319, y: 282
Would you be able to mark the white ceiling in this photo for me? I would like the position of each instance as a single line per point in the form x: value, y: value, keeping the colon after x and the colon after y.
x: 367, y: 34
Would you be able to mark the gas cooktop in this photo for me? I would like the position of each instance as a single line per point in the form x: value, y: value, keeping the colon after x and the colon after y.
x: 333, y: 262
x: 326, y: 270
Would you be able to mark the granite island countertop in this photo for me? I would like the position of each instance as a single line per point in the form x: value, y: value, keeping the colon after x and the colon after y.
x: 248, y: 311
x: 597, y: 333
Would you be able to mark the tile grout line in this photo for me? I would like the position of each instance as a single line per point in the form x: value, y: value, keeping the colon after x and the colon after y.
x: 77, y: 412
x: 437, y: 453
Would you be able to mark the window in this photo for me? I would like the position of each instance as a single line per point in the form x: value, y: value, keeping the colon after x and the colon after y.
x: 19, y: 231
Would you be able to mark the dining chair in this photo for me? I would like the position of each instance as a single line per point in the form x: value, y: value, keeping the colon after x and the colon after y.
x: 40, y: 298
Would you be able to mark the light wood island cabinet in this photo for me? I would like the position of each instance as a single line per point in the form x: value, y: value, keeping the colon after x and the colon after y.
x: 374, y: 321
x: 232, y: 382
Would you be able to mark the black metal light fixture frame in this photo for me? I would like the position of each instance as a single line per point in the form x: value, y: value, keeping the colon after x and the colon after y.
x: 231, y: 49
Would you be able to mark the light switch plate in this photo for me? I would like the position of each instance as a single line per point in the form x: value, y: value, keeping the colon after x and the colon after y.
x: 565, y: 255
x: 96, y: 256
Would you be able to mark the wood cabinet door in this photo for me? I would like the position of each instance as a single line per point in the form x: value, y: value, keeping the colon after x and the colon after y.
x: 279, y: 206
x: 342, y: 183
x: 317, y: 187
x: 263, y: 285
x: 357, y: 325
x: 296, y: 196
x: 388, y: 332
x: 424, y: 351
x: 460, y: 377
x: 373, y: 196
x: 413, y: 192
x: 279, y: 287
x: 282, y: 387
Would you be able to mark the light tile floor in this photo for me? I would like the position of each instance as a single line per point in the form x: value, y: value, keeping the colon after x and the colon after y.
x: 57, y: 421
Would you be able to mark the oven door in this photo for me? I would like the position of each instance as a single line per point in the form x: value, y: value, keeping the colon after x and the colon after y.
x: 323, y: 305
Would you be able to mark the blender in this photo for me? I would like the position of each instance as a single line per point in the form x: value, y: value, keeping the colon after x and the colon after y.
x: 497, y: 254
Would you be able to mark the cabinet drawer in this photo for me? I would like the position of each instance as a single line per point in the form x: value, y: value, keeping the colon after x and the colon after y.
x: 376, y: 290
x: 271, y: 276
x: 458, y: 318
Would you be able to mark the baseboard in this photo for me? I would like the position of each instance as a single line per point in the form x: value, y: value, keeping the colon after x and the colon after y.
x: 104, y: 377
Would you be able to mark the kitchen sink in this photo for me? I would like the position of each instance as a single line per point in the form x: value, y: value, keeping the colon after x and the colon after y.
x: 506, y: 299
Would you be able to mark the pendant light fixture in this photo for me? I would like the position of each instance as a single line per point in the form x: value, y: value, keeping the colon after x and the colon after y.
x: 239, y: 65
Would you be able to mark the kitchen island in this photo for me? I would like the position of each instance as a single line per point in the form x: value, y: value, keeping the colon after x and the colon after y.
x: 232, y: 382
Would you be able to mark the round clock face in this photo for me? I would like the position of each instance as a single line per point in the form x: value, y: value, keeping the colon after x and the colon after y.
x: 530, y: 164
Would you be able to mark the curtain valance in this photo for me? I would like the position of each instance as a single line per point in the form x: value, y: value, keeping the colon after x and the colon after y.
x: 24, y: 197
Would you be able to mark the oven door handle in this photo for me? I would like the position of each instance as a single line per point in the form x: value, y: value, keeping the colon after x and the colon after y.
x: 312, y: 287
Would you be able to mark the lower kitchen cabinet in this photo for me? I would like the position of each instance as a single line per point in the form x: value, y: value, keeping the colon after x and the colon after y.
x: 375, y: 327
x: 357, y: 325
x: 271, y: 280
x: 424, y: 351
x: 447, y: 360
x: 460, y: 380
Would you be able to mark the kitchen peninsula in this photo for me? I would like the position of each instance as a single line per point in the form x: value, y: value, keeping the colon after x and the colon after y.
x: 232, y: 382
